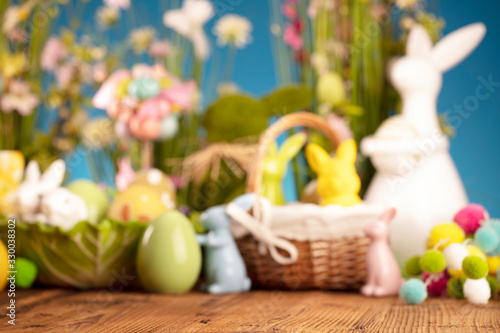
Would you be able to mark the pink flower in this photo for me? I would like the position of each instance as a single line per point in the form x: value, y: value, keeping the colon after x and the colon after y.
x: 290, y: 11
x: 339, y: 125
x: 106, y: 95
x: 181, y: 95
x: 125, y: 175
x: 292, y: 37
x: 120, y: 4
x: 65, y: 74
x: 53, y: 52
x: 19, y: 97
x: 159, y: 49
x: 99, y: 72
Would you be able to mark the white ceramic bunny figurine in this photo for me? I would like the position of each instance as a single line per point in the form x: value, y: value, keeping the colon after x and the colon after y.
x: 41, y: 199
x: 415, y: 171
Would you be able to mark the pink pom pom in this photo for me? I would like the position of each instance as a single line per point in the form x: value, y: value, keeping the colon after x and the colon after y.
x: 438, y: 285
x: 470, y: 217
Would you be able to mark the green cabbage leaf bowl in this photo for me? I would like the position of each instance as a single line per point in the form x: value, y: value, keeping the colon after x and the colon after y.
x: 89, y: 256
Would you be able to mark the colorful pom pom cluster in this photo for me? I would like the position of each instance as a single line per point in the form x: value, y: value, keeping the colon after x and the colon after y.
x: 462, y: 260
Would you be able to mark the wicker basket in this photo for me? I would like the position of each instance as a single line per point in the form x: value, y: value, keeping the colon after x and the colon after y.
x: 330, y: 263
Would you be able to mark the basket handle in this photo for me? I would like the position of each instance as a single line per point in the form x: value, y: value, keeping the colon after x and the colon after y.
x: 307, y: 119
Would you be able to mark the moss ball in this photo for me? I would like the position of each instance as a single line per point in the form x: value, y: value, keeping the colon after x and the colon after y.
x: 413, y: 266
x: 455, y: 288
x: 493, y: 285
x: 474, y: 267
x: 486, y: 238
x: 495, y: 224
x: 413, y: 292
x: 433, y: 262
x: 445, y: 233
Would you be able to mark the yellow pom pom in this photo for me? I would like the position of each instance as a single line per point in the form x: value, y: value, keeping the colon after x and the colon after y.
x: 475, y: 251
x: 455, y: 273
x: 493, y: 264
x: 445, y: 233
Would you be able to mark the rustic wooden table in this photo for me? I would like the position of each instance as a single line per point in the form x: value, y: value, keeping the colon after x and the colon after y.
x: 57, y: 310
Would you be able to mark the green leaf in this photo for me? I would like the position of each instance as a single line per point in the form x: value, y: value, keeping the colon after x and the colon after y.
x: 288, y: 99
x: 233, y: 117
x: 87, y: 256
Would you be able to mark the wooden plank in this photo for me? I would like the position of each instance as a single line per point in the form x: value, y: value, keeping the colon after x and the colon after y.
x: 57, y: 310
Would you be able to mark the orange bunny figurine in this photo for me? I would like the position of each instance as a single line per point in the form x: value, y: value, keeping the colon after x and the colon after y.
x: 338, y: 182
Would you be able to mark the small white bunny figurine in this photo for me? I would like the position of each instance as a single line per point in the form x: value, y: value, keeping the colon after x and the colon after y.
x: 41, y: 199
x: 415, y: 171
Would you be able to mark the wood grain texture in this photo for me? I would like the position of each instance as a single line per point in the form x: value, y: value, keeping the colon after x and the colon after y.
x: 57, y: 310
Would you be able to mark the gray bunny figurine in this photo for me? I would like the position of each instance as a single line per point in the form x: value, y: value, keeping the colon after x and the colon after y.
x: 225, y: 271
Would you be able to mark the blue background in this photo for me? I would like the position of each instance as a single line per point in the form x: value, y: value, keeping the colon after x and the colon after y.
x: 475, y: 148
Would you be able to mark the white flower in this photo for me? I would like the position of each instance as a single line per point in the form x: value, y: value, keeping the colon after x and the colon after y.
x: 160, y: 49
x: 53, y: 52
x: 141, y: 38
x: 233, y: 29
x: 188, y: 21
x: 16, y: 14
x: 107, y: 16
x: 19, y: 98
x: 119, y: 4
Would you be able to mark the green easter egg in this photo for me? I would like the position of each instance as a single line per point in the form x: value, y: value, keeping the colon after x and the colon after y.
x: 144, y: 88
x: 169, y: 256
x: 26, y: 273
x: 330, y: 89
x: 96, y: 200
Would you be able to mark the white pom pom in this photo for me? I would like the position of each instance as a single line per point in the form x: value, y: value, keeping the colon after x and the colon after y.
x: 477, y: 291
x: 454, y: 254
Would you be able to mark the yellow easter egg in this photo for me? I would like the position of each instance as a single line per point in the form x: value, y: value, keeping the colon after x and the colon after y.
x: 3, y: 265
x: 136, y: 203
x: 455, y: 273
x: 493, y: 264
x: 475, y: 251
x: 444, y: 234
x: 160, y: 183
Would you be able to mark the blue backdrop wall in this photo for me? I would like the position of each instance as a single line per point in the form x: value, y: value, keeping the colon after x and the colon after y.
x: 476, y: 145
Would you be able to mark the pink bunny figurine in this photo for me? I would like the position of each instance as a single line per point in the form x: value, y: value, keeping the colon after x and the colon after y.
x: 384, y: 277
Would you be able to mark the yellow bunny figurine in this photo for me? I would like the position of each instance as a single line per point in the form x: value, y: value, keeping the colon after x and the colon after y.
x: 338, y: 182
x: 11, y: 174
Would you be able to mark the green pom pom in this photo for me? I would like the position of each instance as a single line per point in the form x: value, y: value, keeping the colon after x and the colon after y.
x: 433, y: 262
x: 474, y: 267
x: 455, y: 288
x: 413, y: 266
x: 26, y: 273
x: 413, y: 292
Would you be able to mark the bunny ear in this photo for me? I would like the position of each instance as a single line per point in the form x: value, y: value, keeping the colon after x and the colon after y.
x: 292, y: 146
x: 347, y: 151
x: 316, y: 157
x: 388, y: 215
x: 419, y: 42
x: 456, y: 46
x: 53, y: 177
x: 32, y: 174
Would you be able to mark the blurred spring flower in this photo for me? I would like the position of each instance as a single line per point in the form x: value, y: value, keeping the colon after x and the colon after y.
x: 119, y: 4
x: 292, y: 37
x: 17, y: 14
x: 98, y: 133
x: 406, y: 4
x: 53, y: 52
x: 19, y: 98
x: 433, y: 25
x: 141, y: 39
x: 107, y: 16
x: 12, y: 64
x: 188, y: 21
x: 160, y: 49
x: 233, y: 29
x: 340, y: 126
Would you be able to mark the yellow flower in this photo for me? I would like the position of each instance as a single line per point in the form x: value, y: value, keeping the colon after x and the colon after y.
x: 12, y: 64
